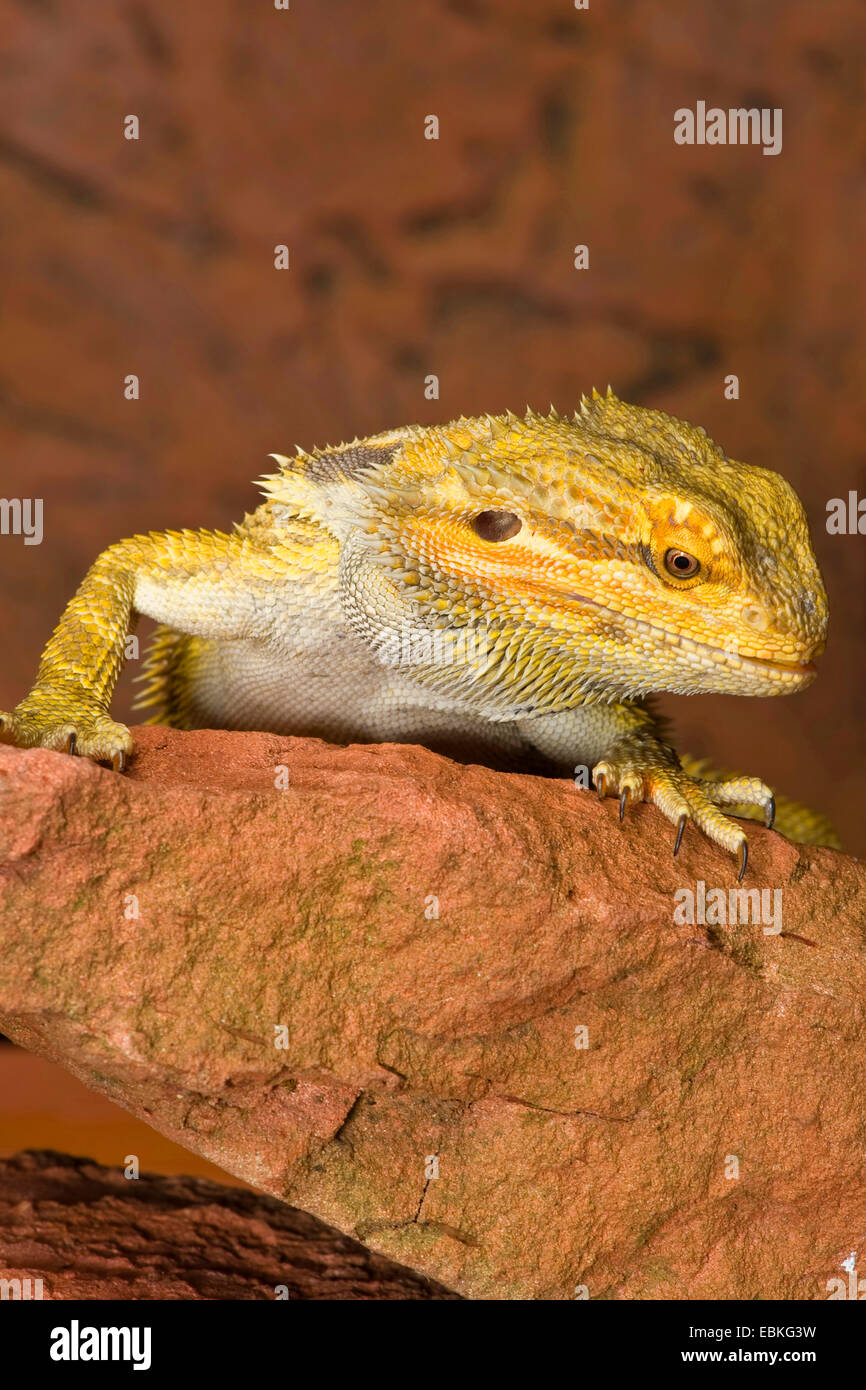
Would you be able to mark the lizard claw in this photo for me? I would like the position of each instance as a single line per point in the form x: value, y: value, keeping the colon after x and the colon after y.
x: 50, y: 718
x: 655, y: 775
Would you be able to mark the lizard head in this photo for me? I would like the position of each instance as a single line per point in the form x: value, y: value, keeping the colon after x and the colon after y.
x: 603, y: 557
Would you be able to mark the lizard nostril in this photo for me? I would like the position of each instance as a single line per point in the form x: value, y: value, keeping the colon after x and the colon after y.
x: 756, y: 617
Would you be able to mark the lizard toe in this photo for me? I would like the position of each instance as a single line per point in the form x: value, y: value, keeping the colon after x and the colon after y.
x: 682, y: 798
x: 81, y: 732
x: 739, y: 791
x: 618, y: 779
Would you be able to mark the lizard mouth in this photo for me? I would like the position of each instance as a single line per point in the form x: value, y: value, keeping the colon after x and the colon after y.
x: 786, y: 668
x: 790, y: 672
x: 799, y: 672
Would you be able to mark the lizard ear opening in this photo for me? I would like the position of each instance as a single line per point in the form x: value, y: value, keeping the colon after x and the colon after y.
x: 496, y: 526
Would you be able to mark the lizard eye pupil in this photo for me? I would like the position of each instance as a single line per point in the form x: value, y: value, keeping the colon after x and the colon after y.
x: 496, y: 526
x: 681, y: 564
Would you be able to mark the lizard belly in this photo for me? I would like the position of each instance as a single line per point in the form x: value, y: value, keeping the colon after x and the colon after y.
x: 334, y: 691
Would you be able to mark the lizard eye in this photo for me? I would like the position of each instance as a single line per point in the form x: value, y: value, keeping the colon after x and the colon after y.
x: 496, y: 526
x: 681, y: 564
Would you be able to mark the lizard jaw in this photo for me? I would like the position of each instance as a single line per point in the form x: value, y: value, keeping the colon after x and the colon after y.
x: 792, y: 676
x: 806, y: 669
x: 796, y: 674
x: 789, y: 677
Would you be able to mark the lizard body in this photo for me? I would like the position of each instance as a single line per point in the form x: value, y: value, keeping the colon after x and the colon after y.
x: 506, y: 584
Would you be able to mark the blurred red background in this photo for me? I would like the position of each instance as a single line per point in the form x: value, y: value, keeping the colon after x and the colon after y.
x: 44, y: 1107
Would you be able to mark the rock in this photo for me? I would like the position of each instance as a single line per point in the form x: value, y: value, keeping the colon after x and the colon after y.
x: 89, y: 1232
x: 366, y: 994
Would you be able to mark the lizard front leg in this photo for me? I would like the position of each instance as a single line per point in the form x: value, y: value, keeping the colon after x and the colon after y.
x: 620, y: 743
x: 200, y: 582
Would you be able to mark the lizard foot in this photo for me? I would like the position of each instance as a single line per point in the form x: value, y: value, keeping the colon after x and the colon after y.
x: 50, y: 719
x: 683, y: 798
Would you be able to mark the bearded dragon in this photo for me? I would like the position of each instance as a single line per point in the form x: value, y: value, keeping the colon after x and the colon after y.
x: 502, y: 583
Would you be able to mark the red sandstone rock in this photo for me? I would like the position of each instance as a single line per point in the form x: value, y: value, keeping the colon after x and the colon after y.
x: 431, y: 936
x: 89, y: 1232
